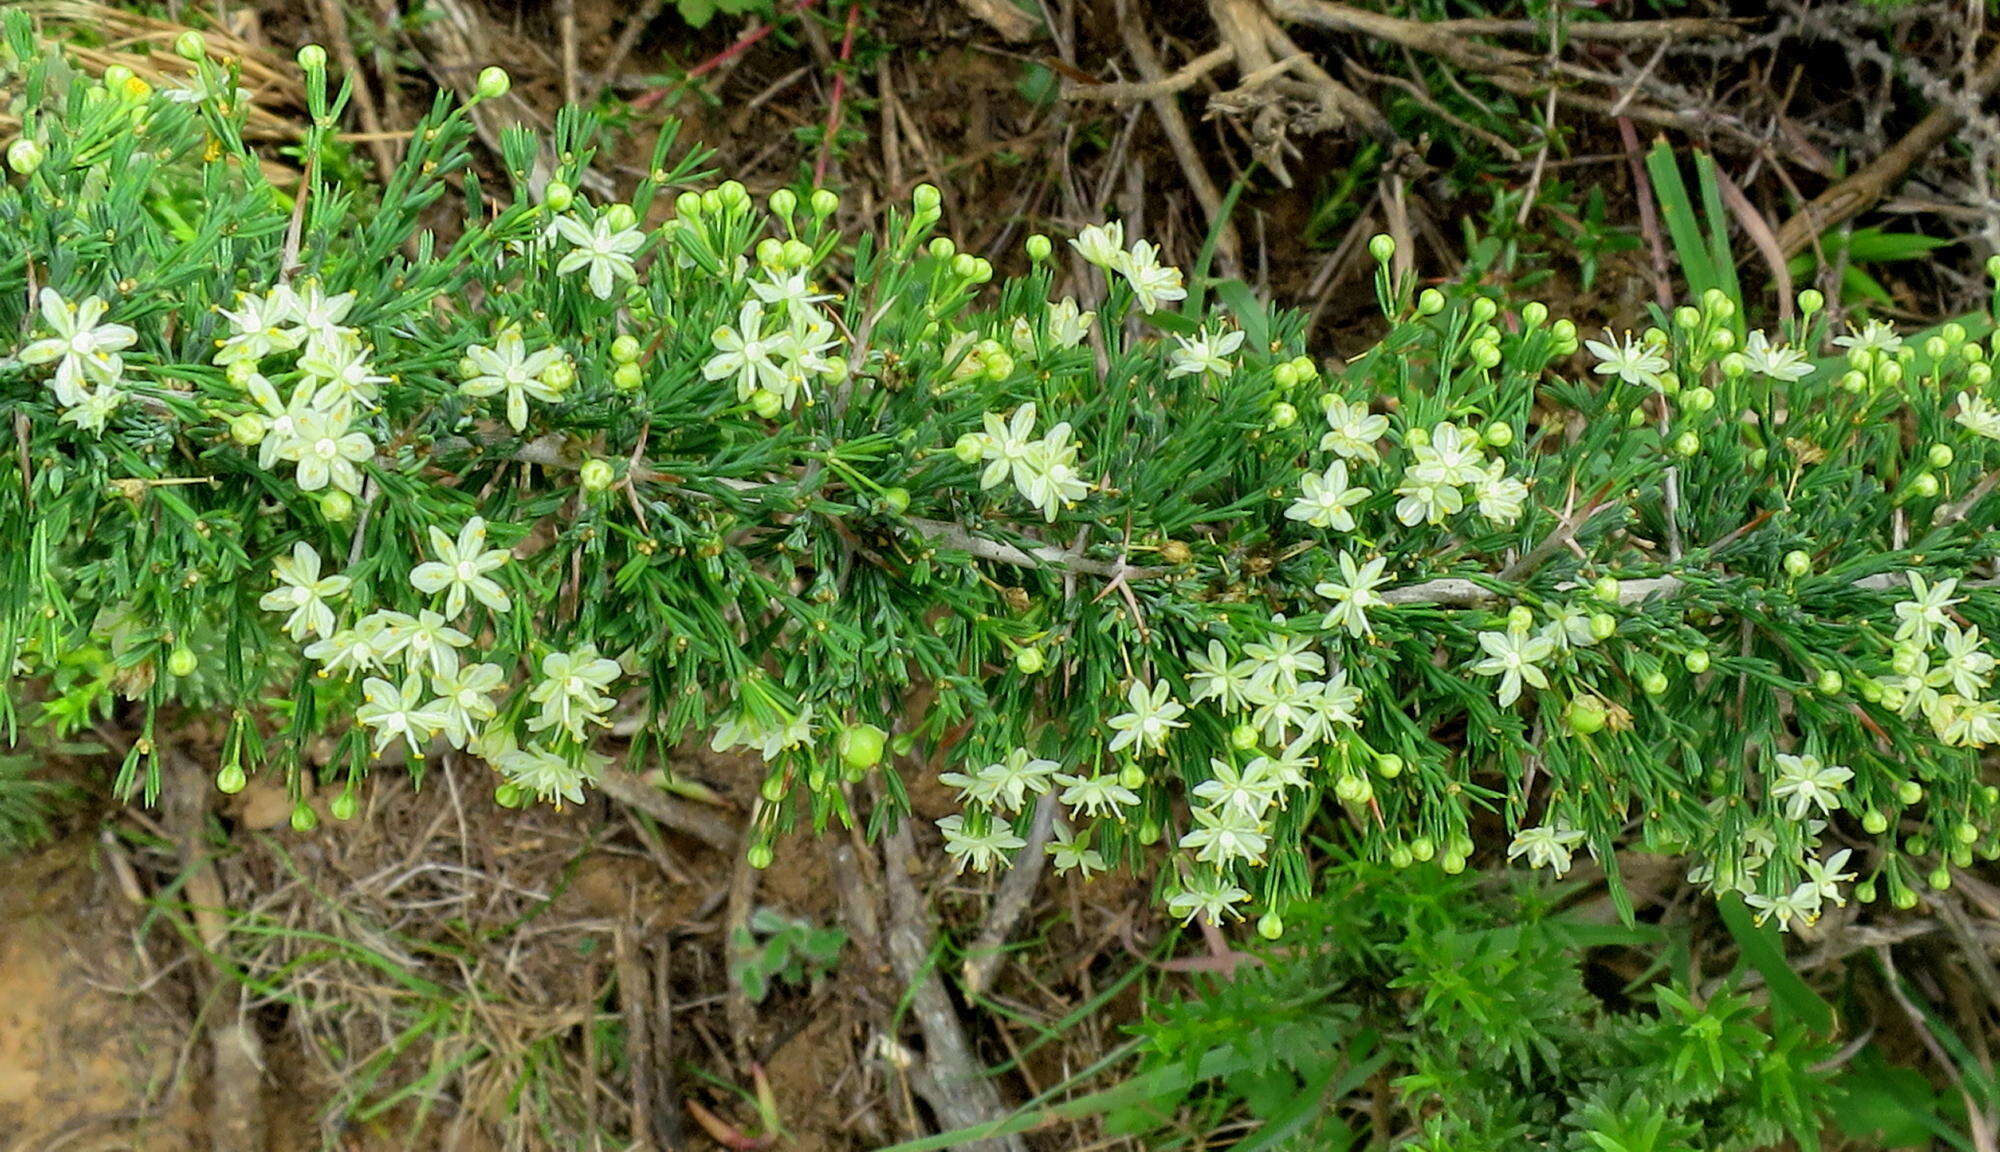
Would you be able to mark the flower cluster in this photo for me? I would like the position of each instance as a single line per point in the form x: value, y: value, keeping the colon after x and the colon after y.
x: 1152, y: 283
x: 781, y: 342
x: 86, y: 352
x: 1939, y: 670
x: 1043, y: 468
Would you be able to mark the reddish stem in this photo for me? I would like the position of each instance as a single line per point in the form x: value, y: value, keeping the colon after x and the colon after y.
x: 742, y: 44
x: 839, y: 90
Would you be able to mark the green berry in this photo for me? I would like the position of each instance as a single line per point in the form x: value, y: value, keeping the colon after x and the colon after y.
x: 861, y: 745
x: 181, y: 661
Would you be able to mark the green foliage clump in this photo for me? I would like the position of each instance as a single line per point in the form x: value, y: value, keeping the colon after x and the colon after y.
x: 1460, y: 1019
x: 553, y: 481
x: 774, y: 947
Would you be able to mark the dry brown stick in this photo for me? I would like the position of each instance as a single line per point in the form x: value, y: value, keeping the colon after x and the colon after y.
x: 1182, y: 79
x: 633, y: 791
x: 1612, y: 31
x: 738, y: 947
x: 948, y: 1075
x: 1229, y: 245
x: 666, y: 1117
x: 1003, y: 17
x: 1850, y: 197
x: 1017, y: 891
x: 635, y: 1001
x: 236, y: 1121
x: 1761, y: 237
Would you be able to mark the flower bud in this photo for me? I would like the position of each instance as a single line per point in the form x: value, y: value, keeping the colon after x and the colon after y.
x: 493, y: 83
x: 181, y: 661
x: 1243, y: 737
x: 1486, y: 356
x: 823, y: 202
x: 231, y: 779
x: 1603, y: 625
x: 1909, y: 792
x: 759, y: 856
x: 1520, y: 618
x: 116, y: 77
x: 1696, y: 661
x: 797, y: 253
x: 1830, y: 683
x: 1452, y: 862
x: 1283, y: 415
x: 1029, y: 661
x: 1353, y: 789
x: 970, y: 447
x: 733, y: 194
x: 620, y: 216
x: 771, y: 252
x: 783, y: 203
x: 510, y: 795
x: 861, y: 745
x: 1382, y: 247
x: 1722, y: 339
x: 625, y: 349
x: 926, y: 199
x: 559, y: 375
x: 596, y: 475
x: 766, y: 403
x: 627, y: 377
x: 1430, y: 302
x: 1607, y: 589
x: 1285, y: 376
x: 1484, y: 309
x: 1798, y: 564
x: 1534, y: 313
x: 1497, y: 433
x: 189, y: 45
x: 1400, y: 857
x: 248, y: 429
x: 1132, y: 776
x: 1687, y: 317
x: 24, y: 156
x: 1810, y: 301
x: 1039, y: 247
x: 312, y: 58
x: 964, y: 266
x: 337, y: 506
x: 304, y: 819
x: 1270, y: 926
x: 1423, y: 848
x: 1925, y: 486
x: 1388, y: 766
x: 1654, y: 683
x: 1686, y: 444
x: 1940, y: 456
x: 343, y: 806
x: 896, y: 501
x: 689, y: 205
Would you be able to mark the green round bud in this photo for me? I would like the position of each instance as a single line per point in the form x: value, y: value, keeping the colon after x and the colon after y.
x: 1873, y: 822
x: 1039, y: 247
x: 1352, y: 789
x: 1892, y: 373
x: 964, y: 266
x: 1978, y: 375
x: 189, y: 45
x: 1283, y: 415
x: 344, y: 806
x: 1902, y: 898
x: 1811, y: 300
x: 1758, y: 458
x: 116, y: 77
x: 596, y: 475
x: 1389, y: 765
x: 1534, y: 313
x: 783, y: 203
x: 759, y: 856
x: 1417, y: 437
x: 1400, y: 857
x: 771, y: 252
x: 1939, y: 879
x: 1798, y: 564
x: 1270, y: 926
x: 1423, y: 848
x: 1865, y: 892
x: 927, y: 199
x: 231, y: 779
x: 1430, y: 302
x: 895, y: 501
x: 510, y: 795
x: 1484, y: 309
x: 1654, y: 683
x: 796, y: 253
x: 1305, y: 367
x: 337, y: 506
x: 1452, y: 862
x: 1497, y: 433
x: 621, y: 217
x: 1382, y: 247
x: 1132, y: 776
x: 861, y: 745
x: 1585, y: 716
x: 304, y: 819
x: 1940, y: 456
x: 1918, y: 845
x: 1686, y: 444
x: 558, y: 196
x: 1149, y: 832
x: 24, y: 156
x: 625, y: 349
x: 1029, y: 661
x: 1696, y: 661
x: 690, y: 204
x: 1924, y: 486
x: 1520, y: 618
x: 1936, y: 349
x: 1734, y: 365
x: 1486, y: 356
x: 766, y: 403
x: 1687, y: 317
x: 627, y: 377
x: 312, y: 58
x: 1830, y: 683
x: 970, y: 447
x: 1909, y: 792
x: 1603, y: 625
x: 1285, y: 376
x: 903, y: 743
x: 823, y: 202
x: 493, y: 83
x: 1698, y: 399
x: 1243, y: 737
x: 248, y: 429
x: 1967, y: 833
x: 1564, y: 330
x: 181, y: 661
x: 773, y: 788
x: 1607, y: 589
x: 559, y: 375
